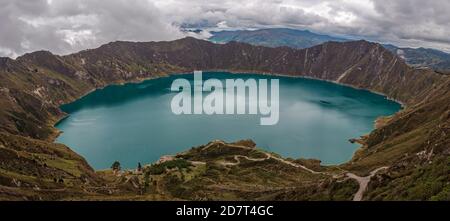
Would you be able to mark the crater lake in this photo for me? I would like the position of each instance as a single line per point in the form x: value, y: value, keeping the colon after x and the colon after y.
x: 133, y: 123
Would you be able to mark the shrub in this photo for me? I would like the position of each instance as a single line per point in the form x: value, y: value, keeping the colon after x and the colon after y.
x: 158, y: 169
x: 115, y: 165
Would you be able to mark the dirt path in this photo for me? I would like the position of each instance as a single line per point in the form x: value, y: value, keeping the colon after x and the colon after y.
x: 363, y: 182
x: 236, y: 158
x: 268, y: 156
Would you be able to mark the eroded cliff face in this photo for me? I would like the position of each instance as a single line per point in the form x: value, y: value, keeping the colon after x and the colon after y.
x: 34, y: 85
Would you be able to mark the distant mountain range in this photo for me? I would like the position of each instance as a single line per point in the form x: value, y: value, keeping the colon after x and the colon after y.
x: 277, y: 37
x: 423, y: 57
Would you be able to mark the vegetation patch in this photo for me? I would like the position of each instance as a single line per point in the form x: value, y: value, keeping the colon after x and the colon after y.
x: 157, y: 169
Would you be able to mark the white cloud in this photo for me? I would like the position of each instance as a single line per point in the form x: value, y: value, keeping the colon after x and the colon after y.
x: 66, y: 26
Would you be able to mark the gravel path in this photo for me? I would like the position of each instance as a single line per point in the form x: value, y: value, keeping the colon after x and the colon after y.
x: 363, y: 182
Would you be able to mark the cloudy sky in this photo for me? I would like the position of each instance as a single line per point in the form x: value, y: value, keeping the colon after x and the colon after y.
x: 65, y: 26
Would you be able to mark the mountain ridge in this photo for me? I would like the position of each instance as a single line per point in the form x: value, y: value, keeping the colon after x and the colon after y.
x: 265, y: 37
x: 33, y: 86
x: 276, y: 37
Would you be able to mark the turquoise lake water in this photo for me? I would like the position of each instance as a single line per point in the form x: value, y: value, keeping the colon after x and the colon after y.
x: 134, y: 123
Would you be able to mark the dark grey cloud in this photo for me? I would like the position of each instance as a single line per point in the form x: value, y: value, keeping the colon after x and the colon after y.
x: 64, y: 26
x: 413, y: 23
x: 410, y: 22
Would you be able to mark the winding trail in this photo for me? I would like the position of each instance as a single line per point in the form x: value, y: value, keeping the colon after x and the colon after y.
x: 236, y: 158
x: 363, y: 182
x: 268, y: 156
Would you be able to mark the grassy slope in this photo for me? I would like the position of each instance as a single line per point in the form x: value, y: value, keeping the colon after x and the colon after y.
x: 200, y: 174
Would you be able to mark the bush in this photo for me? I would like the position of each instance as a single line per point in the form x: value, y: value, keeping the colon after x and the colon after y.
x: 115, y: 165
x: 179, y: 163
x: 158, y: 169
